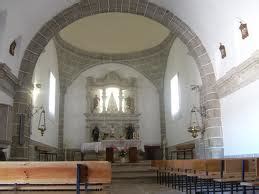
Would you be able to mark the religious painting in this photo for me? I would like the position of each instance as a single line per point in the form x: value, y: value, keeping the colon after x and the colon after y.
x: 244, y: 30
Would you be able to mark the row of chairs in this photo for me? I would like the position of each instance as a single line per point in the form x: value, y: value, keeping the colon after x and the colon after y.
x: 209, y: 176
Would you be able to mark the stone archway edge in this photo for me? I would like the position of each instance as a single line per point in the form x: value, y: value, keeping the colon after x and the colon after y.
x: 140, y: 7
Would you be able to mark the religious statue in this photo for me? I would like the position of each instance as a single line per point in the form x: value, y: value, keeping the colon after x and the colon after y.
x: 112, y: 131
x: 129, y: 104
x: 130, y: 130
x: 96, y: 102
x: 95, y: 134
x: 112, y: 105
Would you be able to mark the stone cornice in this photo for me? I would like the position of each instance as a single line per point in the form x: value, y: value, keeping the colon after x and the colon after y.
x: 114, y: 57
x: 239, y: 77
x: 8, y: 81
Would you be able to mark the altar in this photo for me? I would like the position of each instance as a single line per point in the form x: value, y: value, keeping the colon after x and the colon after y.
x: 111, y: 146
x: 112, y: 118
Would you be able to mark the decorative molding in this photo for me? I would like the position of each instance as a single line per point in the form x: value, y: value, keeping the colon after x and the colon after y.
x: 239, y: 77
x: 151, y: 62
x: 8, y: 81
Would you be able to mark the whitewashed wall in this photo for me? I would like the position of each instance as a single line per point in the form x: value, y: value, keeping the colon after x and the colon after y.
x: 47, y: 63
x: 240, y: 118
x: 75, y: 106
x: 5, y: 99
x: 217, y: 21
x: 180, y: 62
x: 213, y: 21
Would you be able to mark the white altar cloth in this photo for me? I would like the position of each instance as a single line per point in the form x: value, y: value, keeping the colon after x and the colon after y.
x: 93, y: 146
x: 117, y: 144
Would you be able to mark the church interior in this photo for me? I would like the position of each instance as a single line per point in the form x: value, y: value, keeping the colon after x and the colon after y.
x: 129, y: 96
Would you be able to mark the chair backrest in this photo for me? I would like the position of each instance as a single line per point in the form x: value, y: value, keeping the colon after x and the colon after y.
x: 199, y: 165
x: 213, y: 165
x: 179, y: 164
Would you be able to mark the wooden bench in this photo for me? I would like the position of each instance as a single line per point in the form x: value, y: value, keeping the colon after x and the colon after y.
x: 52, y: 176
x: 254, y: 184
x: 212, y: 175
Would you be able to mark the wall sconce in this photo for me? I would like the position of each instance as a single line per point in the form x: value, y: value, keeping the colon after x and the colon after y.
x: 222, y: 51
x: 244, y: 30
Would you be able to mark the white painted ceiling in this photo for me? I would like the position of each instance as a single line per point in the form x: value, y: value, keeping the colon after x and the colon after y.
x: 214, y: 21
x: 114, y: 33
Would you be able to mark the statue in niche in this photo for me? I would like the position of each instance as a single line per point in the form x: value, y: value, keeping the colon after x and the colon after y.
x: 96, y: 133
x: 130, y: 130
x: 112, y: 106
x: 112, y: 132
x: 129, y: 101
x: 12, y: 48
x: 96, y: 101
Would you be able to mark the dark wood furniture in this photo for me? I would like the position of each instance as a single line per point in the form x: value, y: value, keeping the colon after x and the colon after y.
x: 152, y: 152
x: 133, y: 155
x: 109, y: 155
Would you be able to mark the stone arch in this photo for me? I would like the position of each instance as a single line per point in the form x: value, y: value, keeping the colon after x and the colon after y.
x: 213, y: 136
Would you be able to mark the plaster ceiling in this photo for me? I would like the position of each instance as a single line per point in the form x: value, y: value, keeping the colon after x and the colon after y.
x: 114, y: 33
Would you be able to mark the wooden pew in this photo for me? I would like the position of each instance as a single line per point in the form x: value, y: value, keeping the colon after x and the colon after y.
x: 53, y: 175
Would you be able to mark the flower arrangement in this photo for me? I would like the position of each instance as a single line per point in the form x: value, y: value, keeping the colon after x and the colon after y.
x: 123, y: 153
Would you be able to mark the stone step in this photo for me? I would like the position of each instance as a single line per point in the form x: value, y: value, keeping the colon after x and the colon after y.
x: 140, y: 172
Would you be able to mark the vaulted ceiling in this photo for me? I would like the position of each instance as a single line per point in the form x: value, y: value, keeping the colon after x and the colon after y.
x: 213, y: 21
x: 114, y: 33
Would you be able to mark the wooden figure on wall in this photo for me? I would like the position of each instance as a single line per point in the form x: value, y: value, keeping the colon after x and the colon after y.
x: 222, y: 51
x: 12, y: 48
x: 244, y: 30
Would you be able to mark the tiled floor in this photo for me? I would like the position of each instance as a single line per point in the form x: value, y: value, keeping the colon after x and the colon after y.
x: 141, y: 189
x: 119, y: 188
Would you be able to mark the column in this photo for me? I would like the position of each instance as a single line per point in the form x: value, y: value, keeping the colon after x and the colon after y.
x: 120, y: 100
x: 104, y: 100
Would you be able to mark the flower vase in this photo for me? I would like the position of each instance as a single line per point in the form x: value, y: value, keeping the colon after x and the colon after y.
x: 123, y: 159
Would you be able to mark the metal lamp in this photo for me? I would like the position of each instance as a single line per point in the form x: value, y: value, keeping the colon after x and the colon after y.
x: 194, y: 128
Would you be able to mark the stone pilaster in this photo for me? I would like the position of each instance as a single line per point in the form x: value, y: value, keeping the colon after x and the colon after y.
x: 162, y: 121
x: 21, y: 124
x: 6, y: 114
x: 61, y: 124
x: 212, y: 140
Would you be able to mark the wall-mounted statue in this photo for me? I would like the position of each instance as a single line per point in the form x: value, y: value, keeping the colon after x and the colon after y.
x: 129, y: 102
x: 96, y: 101
x: 96, y: 133
x: 112, y: 132
x: 12, y: 48
x: 130, y: 130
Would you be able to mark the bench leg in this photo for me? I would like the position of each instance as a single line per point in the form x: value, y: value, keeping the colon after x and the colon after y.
x: 78, y: 175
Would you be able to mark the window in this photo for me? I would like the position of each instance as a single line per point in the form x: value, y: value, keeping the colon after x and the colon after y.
x: 175, y: 98
x: 52, y: 93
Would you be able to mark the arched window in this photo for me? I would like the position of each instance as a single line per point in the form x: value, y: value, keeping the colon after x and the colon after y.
x: 175, y: 95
